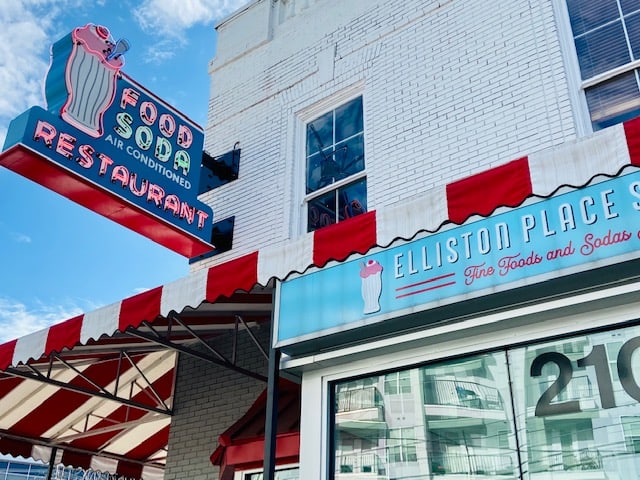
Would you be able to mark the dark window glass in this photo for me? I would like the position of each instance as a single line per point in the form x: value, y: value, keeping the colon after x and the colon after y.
x: 589, y: 14
x: 629, y: 6
x: 614, y: 101
x: 633, y: 30
x: 320, y: 133
x: 349, y: 119
x: 335, y: 152
x: 602, y: 50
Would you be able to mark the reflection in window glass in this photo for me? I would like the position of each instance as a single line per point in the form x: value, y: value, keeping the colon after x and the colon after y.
x: 444, y: 419
x: 574, y: 403
x: 334, y: 154
x: 607, y: 39
x: 577, y: 415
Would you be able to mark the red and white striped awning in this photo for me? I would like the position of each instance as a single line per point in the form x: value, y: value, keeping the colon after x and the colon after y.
x: 92, y: 428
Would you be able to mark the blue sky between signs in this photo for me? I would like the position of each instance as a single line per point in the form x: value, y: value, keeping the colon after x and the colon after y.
x: 58, y: 259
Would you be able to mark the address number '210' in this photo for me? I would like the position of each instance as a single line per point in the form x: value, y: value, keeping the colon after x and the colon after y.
x: 598, y: 360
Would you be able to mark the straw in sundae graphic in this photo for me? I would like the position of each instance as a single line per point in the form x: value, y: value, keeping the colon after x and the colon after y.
x: 371, y: 278
x: 90, y: 76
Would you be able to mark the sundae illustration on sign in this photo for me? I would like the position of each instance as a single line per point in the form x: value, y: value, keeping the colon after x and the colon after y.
x: 106, y: 142
x: 371, y: 278
x: 89, y: 65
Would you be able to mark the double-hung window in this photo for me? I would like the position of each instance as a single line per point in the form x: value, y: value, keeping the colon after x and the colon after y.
x: 606, y: 34
x: 336, y: 186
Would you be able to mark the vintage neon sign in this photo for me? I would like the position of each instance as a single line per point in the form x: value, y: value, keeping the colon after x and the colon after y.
x: 107, y: 143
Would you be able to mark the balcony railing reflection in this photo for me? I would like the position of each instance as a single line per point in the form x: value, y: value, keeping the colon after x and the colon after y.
x: 571, y: 460
x: 359, y: 399
x: 464, y: 464
x: 367, y: 463
x: 457, y: 393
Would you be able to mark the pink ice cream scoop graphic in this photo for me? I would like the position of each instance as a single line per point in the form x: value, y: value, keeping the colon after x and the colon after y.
x: 371, y: 278
x: 90, y: 77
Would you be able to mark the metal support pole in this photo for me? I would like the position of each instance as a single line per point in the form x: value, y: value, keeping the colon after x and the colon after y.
x: 271, y: 420
x: 52, y: 462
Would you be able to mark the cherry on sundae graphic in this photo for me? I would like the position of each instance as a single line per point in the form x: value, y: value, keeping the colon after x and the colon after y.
x: 90, y: 62
x: 371, y: 277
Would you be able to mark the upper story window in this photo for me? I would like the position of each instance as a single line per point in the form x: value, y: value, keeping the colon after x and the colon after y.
x: 336, y: 186
x: 606, y: 34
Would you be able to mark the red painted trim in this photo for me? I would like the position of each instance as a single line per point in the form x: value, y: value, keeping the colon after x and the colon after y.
x: 63, y: 335
x: 237, y: 274
x: 144, y: 306
x: 7, y: 350
x: 128, y: 469
x: 338, y: 241
x: 16, y: 448
x: 287, y: 445
x: 507, y: 185
x: 76, y: 459
x: 632, y: 132
x: 37, y: 168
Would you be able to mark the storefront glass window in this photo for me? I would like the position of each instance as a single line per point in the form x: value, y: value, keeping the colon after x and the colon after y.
x: 567, y: 408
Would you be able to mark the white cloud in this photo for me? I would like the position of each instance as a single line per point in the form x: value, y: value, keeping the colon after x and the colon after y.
x: 27, y: 26
x: 168, y: 20
x: 18, y: 320
x: 20, y: 237
x: 172, y: 17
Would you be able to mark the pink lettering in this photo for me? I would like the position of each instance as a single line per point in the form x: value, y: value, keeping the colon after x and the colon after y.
x: 85, y: 159
x: 185, y: 137
x: 129, y: 97
x: 120, y: 174
x: 155, y: 194
x: 476, y: 272
x: 65, y: 145
x: 592, y: 243
x: 46, y: 132
x: 105, y: 162
x: 513, y: 262
x: 148, y: 112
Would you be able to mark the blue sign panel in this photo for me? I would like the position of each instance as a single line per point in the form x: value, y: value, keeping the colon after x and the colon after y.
x: 587, y: 228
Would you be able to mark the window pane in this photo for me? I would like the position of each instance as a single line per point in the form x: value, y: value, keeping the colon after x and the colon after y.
x: 320, y: 133
x: 633, y: 30
x: 629, y: 6
x: 321, y: 211
x: 575, y: 418
x: 602, y: 50
x: 349, y: 156
x: 614, y: 101
x: 588, y: 14
x: 353, y: 199
x: 349, y: 119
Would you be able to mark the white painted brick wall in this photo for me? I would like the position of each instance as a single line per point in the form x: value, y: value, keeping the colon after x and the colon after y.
x: 208, y: 400
x: 451, y: 88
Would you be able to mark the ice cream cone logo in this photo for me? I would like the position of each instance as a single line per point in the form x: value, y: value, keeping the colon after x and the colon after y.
x: 87, y: 63
x: 371, y: 288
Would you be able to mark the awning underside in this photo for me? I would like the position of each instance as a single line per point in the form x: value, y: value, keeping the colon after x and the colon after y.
x: 99, y: 387
x: 107, y: 405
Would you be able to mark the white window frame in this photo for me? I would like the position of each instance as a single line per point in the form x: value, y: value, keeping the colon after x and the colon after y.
x: 307, y: 115
x: 577, y: 97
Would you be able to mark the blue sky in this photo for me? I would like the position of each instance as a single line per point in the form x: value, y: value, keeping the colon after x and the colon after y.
x: 58, y: 259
